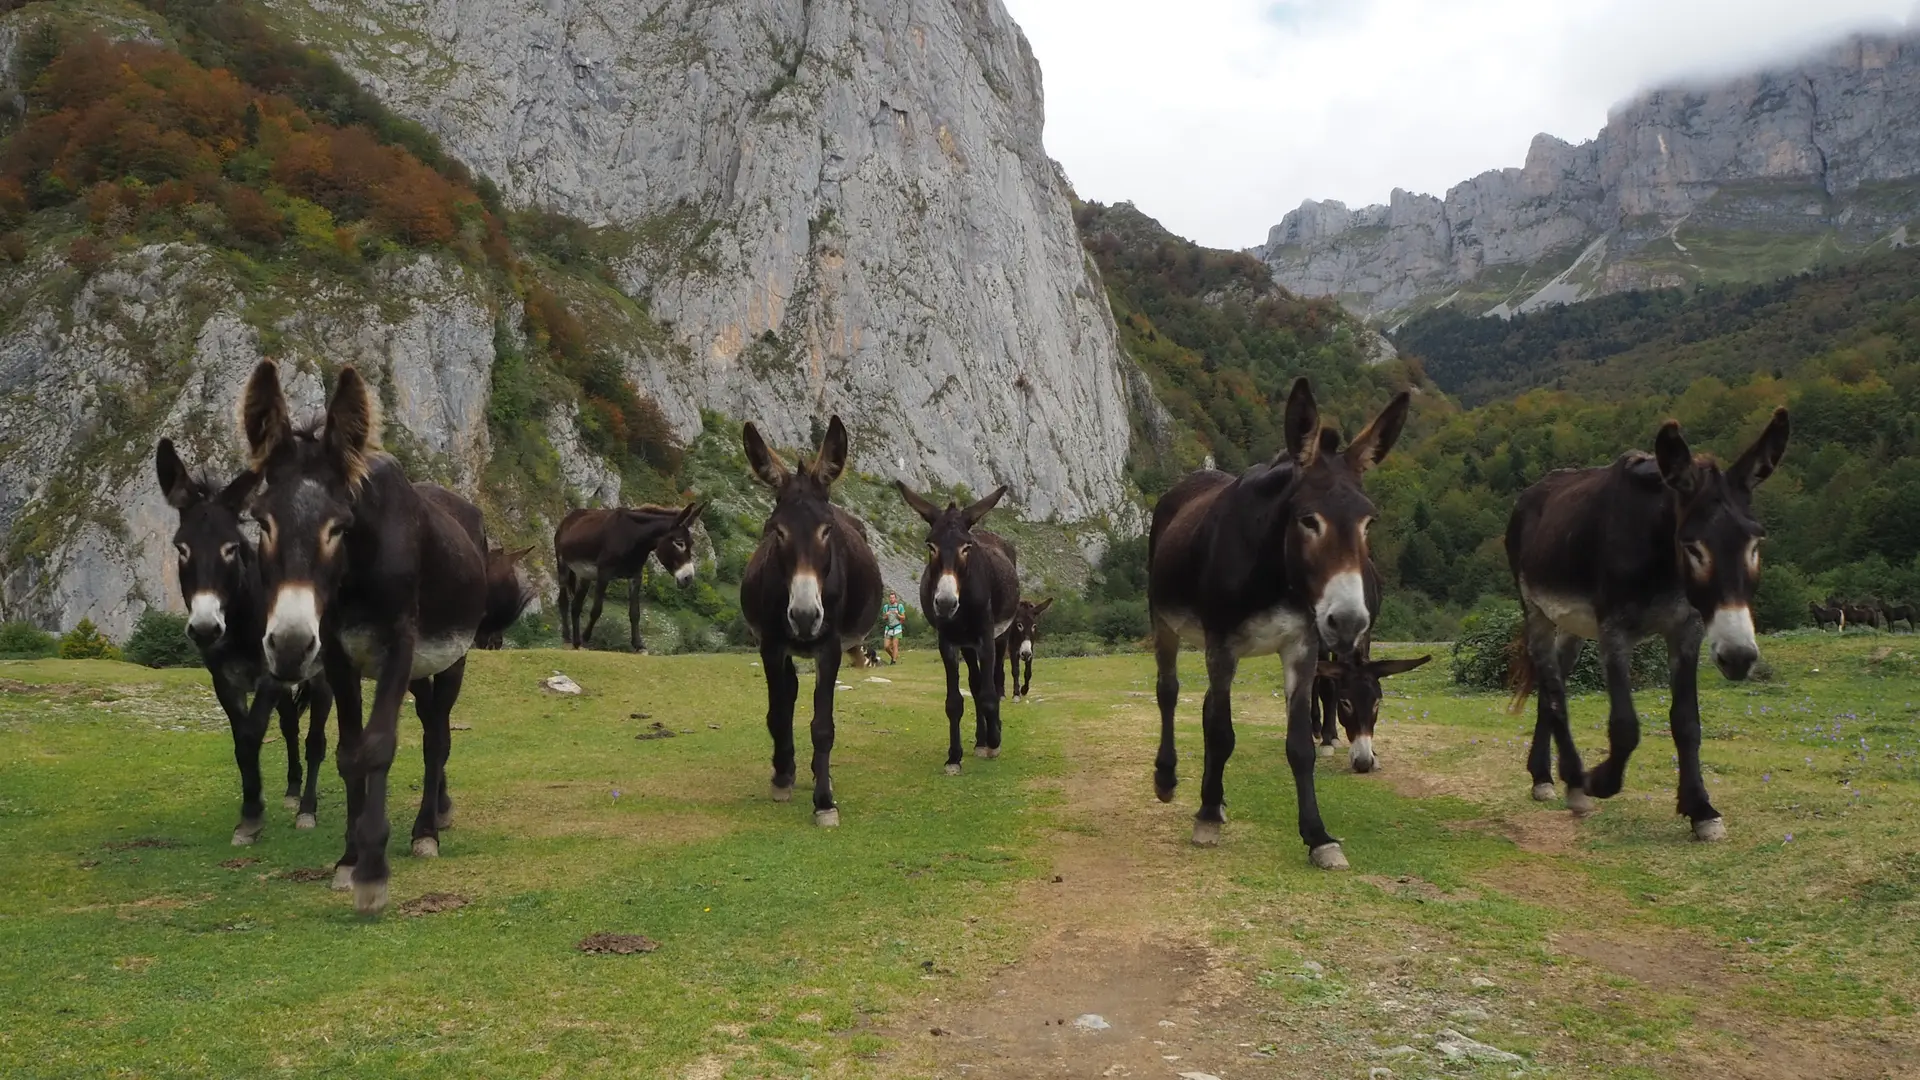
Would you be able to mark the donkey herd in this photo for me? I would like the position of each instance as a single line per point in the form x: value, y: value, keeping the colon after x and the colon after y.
x: 321, y: 566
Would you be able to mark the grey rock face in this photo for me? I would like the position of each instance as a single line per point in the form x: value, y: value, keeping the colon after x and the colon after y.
x: 836, y: 205
x: 1673, y: 189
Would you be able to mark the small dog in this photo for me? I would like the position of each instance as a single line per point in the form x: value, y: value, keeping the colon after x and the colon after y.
x: 863, y: 655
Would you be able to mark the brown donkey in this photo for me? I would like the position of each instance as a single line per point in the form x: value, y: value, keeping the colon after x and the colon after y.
x: 1273, y: 560
x: 1664, y: 544
x: 811, y: 589
x: 366, y: 576
x: 1018, y: 641
x: 968, y: 592
x: 600, y: 546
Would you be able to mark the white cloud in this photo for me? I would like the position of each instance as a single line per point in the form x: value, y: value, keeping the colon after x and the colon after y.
x: 1218, y: 116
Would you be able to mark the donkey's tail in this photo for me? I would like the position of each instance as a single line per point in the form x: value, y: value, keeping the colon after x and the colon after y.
x: 1520, y: 673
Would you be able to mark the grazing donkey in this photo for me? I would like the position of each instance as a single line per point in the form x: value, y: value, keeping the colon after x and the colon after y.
x: 601, y: 546
x: 508, y: 591
x: 1901, y: 613
x: 968, y: 590
x: 1830, y: 614
x: 1272, y: 560
x: 1664, y: 544
x: 220, y: 580
x: 367, y: 577
x: 1018, y: 643
x: 1350, y: 691
x: 811, y: 589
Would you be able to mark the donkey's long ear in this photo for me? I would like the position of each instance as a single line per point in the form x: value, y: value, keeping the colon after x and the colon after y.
x: 831, y: 461
x: 1763, y: 456
x: 1383, y: 668
x: 235, y: 495
x: 927, y: 511
x: 263, y: 413
x: 766, y: 465
x: 176, y: 483
x: 1042, y: 606
x: 1675, y: 459
x: 1302, y: 423
x: 978, y: 510
x: 1369, y: 448
x: 352, y: 423
x: 689, y: 513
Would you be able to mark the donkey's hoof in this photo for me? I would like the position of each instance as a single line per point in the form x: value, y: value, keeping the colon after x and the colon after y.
x: 342, y: 878
x: 1328, y: 857
x: 1580, y: 802
x: 827, y: 819
x: 1543, y: 793
x: 248, y: 831
x: 306, y: 821
x: 443, y: 819
x: 1164, y: 794
x: 982, y: 752
x: 993, y: 752
x: 1206, y: 834
x: 782, y: 794
x: 291, y: 802
x: 953, y: 768
x: 369, y: 897
x: 1324, y: 750
x: 426, y: 847
x: 1710, y: 830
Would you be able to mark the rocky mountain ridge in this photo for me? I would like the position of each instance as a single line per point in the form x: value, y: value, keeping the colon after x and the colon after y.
x: 1745, y: 179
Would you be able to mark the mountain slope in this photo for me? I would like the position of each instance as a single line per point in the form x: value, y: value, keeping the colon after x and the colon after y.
x: 1745, y: 180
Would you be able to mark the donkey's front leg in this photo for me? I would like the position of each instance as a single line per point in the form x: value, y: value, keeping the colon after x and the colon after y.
x: 956, y: 705
x: 1216, y: 729
x: 1605, y: 780
x: 289, y: 709
x: 987, y: 686
x: 344, y: 682
x: 1299, y: 660
x: 826, y: 673
x: 783, y: 689
x: 633, y: 612
x: 320, y: 702
x: 248, y: 734
x: 1166, y: 692
x: 1684, y: 663
x: 377, y: 745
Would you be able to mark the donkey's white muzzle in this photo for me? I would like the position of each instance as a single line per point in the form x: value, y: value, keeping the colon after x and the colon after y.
x: 292, y: 641
x: 805, y: 612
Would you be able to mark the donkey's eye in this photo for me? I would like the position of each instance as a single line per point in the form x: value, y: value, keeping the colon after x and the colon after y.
x: 679, y: 546
x: 185, y: 552
x: 1311, y: 523
x: 336, y: 530
x: 229, y: 551
x: 964, y: 549
x: 933, y: 552
x: 824, y: 532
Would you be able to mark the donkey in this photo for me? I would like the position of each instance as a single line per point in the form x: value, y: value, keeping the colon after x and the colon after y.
x: 508, y: 591
x: 367, y: 577
x: 969, y: 590
x: 1831, y: 614
x: 1862, y: 614
x: 601, y: 546
x: 220, y: 580
x: 1018, y: 643
x: 811, y: 588
x: 1664, y: 544
x: 1349, y: 690
x: 1901, y: 613
x: 1272, y: 560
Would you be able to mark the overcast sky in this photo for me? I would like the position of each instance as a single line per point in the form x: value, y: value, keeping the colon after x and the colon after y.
x: 1219, y: 116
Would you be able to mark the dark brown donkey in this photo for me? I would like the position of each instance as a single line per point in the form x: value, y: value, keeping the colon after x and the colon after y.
x: 1664, y: 544
x: 1823, y: 616
x: 1018, y: 641
x: 1349, y: 691
x: 508, y: 590
x: 968, y: 592
x: 1272, y: 560
x: 366, y: 576
x: 600, y: 546
x: 812, y: 588
x: 226, y: 610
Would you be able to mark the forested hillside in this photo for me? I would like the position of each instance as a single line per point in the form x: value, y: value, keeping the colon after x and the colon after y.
x: 1569, y: 386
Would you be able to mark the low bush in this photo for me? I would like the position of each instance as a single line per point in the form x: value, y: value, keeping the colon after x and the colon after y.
x: 159, y: 640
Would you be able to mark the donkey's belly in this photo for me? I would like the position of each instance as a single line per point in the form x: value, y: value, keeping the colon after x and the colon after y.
x: 1572, y: 615
x: 1276, y: 630
x: 431, y: 656
x: 585, y: 571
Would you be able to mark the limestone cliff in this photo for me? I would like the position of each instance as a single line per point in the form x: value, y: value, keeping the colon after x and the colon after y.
x: 1749, y: 178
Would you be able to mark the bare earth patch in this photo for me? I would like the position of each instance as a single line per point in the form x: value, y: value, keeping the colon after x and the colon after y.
x: 307, y: 873
x: 239, y: 864
x: 433, y: 904
x: 617, y: 944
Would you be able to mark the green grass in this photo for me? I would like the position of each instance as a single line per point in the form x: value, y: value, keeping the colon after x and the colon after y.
x: 788, y: 950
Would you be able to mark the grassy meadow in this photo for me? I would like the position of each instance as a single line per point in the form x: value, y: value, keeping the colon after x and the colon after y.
x: 957, y: 927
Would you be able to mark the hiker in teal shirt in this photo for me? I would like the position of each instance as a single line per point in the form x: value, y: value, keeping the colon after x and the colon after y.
x: 894, y: 614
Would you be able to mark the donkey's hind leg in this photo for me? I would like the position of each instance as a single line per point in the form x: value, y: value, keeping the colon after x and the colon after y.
x: 1216, y: 730
x: 1683, y: 661
x: 434, y: 699
x: 1166, y: 687
x: 1623, y: 724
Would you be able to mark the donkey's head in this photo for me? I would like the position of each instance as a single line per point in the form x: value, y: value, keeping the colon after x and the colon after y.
x: 1328, y: 514
x: 313, y: 480
x: 1716, y: 537
x: 1026, y: 618
x: 801, y: 527
x: 675, y: 549
x: 216, y: 558
x: 949, y: 543
x: 1356, y: 694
